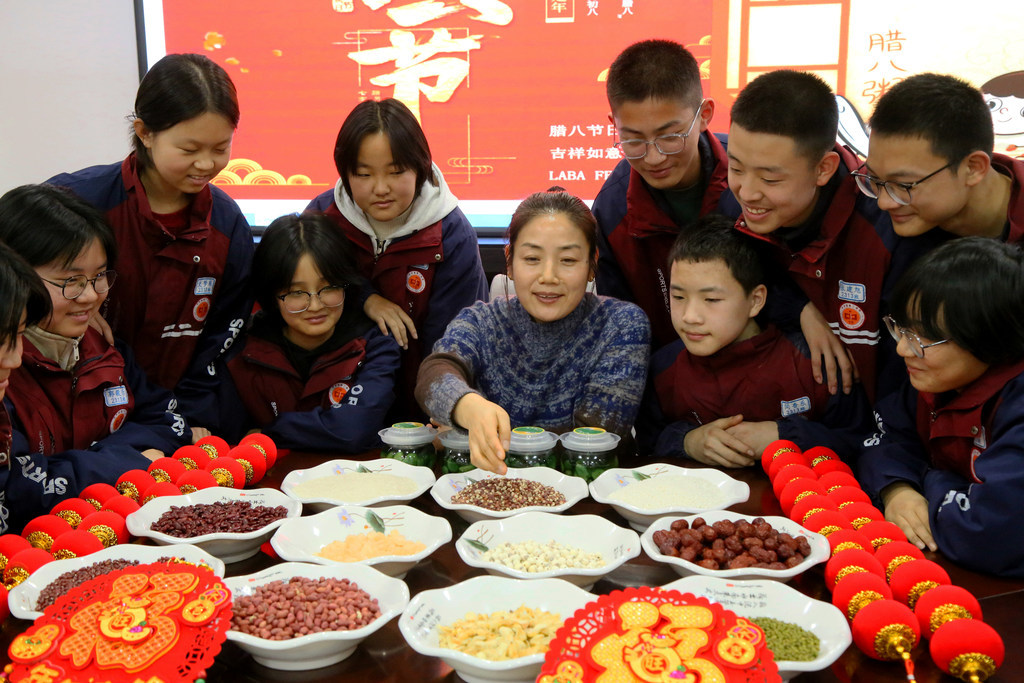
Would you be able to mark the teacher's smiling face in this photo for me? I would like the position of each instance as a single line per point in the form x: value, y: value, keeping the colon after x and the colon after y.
x: 550, y: 266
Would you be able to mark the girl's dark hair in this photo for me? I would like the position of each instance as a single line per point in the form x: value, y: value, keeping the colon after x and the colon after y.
x: 179, y: 88
x: 286, y: 240
x: 409, y: 147
x: 971, y: 291
x: 47, y: 224
x: 21, y: 291
x: 554, y: 201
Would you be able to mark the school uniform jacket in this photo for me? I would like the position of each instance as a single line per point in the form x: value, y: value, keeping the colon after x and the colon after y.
x: 1014, y: 168
x: 179, y: 301
x: 766, y: 377
x: 341, y: 405
x: 965, y: 454
x: 634, y: 236
x: 848, y: 272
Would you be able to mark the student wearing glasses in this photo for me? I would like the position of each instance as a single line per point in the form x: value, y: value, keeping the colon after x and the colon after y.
x: 930, y: 162
x: 947, y: 461
x: 76, y: 397
x: 314, y: 372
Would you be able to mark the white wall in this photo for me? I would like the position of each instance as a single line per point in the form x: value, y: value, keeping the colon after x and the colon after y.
x: 68, y: 75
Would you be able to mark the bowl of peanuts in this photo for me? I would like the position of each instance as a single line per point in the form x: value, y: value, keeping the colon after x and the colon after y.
x: 476, y: 494
x: 491, y: 628
x: 384, y: 481
x: 732, y: 546
x: 41, y: 589
x: 228, y: 523
x: 391, y: 539
x: 646, y: 493
x: 539, y: 545
x: 804, y: 634
x: 296, y: 616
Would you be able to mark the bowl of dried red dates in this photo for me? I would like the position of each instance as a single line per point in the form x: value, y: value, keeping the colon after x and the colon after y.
x: 733, y: 546
x: 230, y: 524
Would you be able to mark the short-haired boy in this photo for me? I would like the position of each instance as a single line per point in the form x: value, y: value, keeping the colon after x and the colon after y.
x: 793, y: 184
x: 728, y: 387
x: 930, y: 162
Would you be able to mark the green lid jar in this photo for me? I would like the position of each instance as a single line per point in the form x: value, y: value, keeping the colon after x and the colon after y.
x: 588, y: 451
x: 455, y: 457
x: 532, y: 447
x: 410, y: 442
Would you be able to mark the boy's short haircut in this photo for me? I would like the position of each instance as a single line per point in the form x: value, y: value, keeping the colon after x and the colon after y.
x: 794, y: 104
x: 951, y: 114
x: 712, y: 237
x: 654, y: 69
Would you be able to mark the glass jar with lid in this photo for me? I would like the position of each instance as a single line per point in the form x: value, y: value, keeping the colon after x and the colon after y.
x: 588, y: 451
x: 455, y: 456
x: 410, y: 442
x: 532, y: 447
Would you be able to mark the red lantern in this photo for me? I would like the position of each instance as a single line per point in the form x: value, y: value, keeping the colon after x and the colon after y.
x: 72, y: 510
x: 886, y: 630
x: 193, y: 457
x: 857, y: 590
x: 833, y: 480
x: 774, y: 450
x: 97, y: 494
x: 860, y: 514
x: 121, y: 505
x: 75, y: 543
x: 214, y: 445
x: 166, y: 469
x: 945, y: 603
x: 788, y: 473
x: 819, y: 454
x: 845, y: 495
x: 882, y: 532
x: 967, y: 649
x: 11, y: 545
x: 133, y: 482
x: 158, y: 489
x: 783, y: 460
x: 42, y: 531
x: 194, y: 480
x: 826, y: 522
x: 107, y: 526
x: 809, y: 505
x: 265, y: 445
x: 227, y: 471
x: 893, y: 554
x: 911, y: 580
x: 826, y: 466
x: 252, y: 460
x: 23, y: 563
x: 796, y: 490
x: 850, y: 562
x: 845, y: 539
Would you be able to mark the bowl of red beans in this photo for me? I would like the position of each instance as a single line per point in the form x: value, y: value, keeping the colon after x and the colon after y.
x: 733, y: 546
x: 230, y: 524
x: 296, y: 616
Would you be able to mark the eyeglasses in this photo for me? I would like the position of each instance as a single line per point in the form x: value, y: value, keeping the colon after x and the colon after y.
x: 668, y: 145
x: 298, y: 301
x: 74, y: 287
x: 913, y: 341
x: 898, y: 192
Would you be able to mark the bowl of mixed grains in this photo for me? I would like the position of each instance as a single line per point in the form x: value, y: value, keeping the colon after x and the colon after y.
x: 477, y: 494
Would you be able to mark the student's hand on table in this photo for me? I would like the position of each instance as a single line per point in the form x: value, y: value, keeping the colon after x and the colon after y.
x: 153, y: 454
x: 390, y: 318
x: 489, y: 431
x: 908, y: 509
x: 712, y: 444
x: 99, y: 323
x: 757, y: 435
x: 824, y: 343
x: 200, y: 433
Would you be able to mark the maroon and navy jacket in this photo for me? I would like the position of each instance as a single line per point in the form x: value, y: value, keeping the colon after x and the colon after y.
x: 848, y: 272
x: 432, y: 274
x: 180, y: 300
x: 766, y: 377
x: 635, y: 235
x: 1014, y: 168
x: 964, y: 452
x: 340, y: 406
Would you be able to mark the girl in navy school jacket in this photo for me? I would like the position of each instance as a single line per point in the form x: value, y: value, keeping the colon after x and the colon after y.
x: 947, y: 462
x: 80, y: 410
x: 314, y: 372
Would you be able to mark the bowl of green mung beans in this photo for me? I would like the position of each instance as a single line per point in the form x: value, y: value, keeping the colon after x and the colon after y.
x: 803, y: 633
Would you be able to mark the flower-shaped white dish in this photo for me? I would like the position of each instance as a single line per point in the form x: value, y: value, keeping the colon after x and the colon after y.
x: 730, y: 491
x: 485, y: 595
x: 423, y: 477
x: 23, y: 598
x: 327, y: 647
x: 588, y: 533
x: 301, y: 538
x: 778, y: 601
x: 573, y: 488
x: 820, y: 550
x: 228, y: 546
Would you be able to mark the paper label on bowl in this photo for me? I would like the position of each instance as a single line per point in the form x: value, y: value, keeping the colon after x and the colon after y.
x: 741, y: 599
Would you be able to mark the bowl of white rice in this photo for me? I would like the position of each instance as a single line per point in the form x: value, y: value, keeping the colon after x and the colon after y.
x: 643, y: 494
x: 368, y: 483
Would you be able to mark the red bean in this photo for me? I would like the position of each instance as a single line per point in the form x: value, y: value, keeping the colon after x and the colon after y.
x: 301, y: 606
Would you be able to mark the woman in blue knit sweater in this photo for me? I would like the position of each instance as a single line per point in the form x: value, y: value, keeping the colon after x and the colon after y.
x: 554, y: 355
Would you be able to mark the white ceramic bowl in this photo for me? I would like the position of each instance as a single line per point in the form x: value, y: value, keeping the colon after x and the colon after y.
x: 484, y: 595
x: 615, y: 479
x: 778, y: 601
x: 300, y: 538
x: 23, y: 598
x: 589, y: 533
x: 318, y: 649
x: 423, y: 477
x: 230, y: 547
x: 573, y: 488
x: 820, y: 550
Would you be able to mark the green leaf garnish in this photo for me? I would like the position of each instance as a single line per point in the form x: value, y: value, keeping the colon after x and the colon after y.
x: 640, y: 476
x: 376, y: 523
x: 361, y: 468
x: 478, y: 545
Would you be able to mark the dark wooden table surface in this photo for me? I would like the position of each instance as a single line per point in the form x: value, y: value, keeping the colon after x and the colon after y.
x: 385, y: 657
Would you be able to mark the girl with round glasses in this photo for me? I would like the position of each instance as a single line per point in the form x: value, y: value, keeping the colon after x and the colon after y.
x: 313, y: 372
x: 947, y: 463
x: 76, y: 398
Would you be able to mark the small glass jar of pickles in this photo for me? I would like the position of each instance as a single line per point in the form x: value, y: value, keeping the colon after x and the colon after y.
x: 410, y: 442
x: 532, y: 447
x: 455, y: 456
x: 588, y: 451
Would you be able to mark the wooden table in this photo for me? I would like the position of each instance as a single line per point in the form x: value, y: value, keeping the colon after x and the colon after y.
x: 385, y: 657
